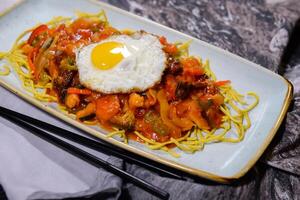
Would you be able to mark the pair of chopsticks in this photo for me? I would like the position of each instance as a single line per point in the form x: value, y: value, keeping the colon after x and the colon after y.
x: 92, y: 144
x: 36, y: 127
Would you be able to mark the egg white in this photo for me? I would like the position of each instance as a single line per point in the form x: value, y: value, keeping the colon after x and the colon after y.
x: 137, y: 72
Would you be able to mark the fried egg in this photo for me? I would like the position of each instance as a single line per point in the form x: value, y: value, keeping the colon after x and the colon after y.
x: 121, y: 63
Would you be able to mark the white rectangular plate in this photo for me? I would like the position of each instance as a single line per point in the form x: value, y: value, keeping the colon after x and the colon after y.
x: 221, y: 161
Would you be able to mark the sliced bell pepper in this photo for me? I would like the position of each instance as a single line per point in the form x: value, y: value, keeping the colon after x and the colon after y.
x: 72, y: 90
x: 30, y: 59
x: 221, y: 83
x: 40, y: 29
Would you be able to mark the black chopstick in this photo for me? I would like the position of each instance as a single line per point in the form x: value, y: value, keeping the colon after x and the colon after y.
x: 101, y: 147
x: 93, y: 160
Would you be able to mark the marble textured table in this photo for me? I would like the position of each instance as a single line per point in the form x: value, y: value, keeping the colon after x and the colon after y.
x: 258, y: 30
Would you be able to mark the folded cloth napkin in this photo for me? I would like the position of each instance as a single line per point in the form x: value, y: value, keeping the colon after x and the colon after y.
x: 30, y: 168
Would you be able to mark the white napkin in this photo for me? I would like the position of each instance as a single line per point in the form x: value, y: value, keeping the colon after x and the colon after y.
x: 31, y: 168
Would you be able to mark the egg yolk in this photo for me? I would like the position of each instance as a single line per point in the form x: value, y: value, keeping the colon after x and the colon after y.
x: 107, y: 55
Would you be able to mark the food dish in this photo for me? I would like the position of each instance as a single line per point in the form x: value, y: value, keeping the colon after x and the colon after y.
x: 221, y: 161
x: 133, y: 82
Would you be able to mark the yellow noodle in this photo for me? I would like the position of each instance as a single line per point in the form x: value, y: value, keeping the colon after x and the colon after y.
x: 91, y: 122
x: 255, y: 102
x: 183, y: 48
x: 5, y: 71
x: 100, y: 15
x: 116, y: 132
x: 170, y: 151
x: 248, y: 121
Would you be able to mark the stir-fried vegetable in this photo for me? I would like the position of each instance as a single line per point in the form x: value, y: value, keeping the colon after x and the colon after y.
x: 34, y: 37
x: 107, y: 107
x: 156, y: 123
x: 72, y: 90
x: 87, y: 111
x: 185, y: 97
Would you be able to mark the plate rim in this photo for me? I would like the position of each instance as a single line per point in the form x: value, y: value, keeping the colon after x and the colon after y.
x: 198, y: 172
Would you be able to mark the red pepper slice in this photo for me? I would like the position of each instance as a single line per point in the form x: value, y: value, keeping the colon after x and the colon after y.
x: 79, y: 91
x: 221, y: 83
x: 163, y: 40
x: 40, y: 29
x: 30, y: 58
